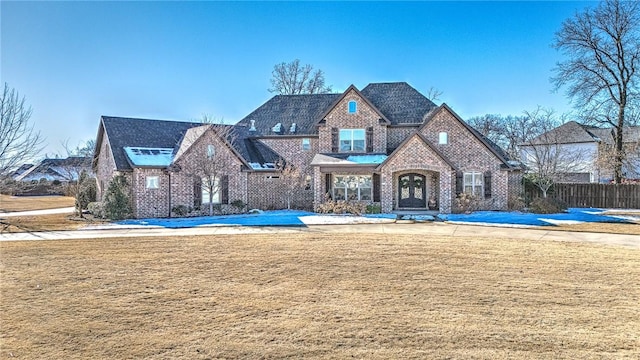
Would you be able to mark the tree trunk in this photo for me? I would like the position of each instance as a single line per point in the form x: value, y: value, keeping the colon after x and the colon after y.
x: 618, y: 155
x: 210, y: 203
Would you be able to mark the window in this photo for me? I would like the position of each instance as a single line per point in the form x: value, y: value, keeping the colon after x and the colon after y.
x: 210, y: 183
x: 153, y: 182
x: 353, y: 107
x: 306, y: 144
x: 211, y: 151
x: 352, y: 139
x: 352, y: 187
x: 473, y: 184
x: 307, y: 182
x: 443, y: 138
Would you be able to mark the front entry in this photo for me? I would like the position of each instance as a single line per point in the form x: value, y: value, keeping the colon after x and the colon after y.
x: 412, y: 191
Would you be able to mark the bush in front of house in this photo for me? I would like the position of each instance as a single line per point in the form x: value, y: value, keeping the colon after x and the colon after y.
x: 341, y: 207
x: 373, y: 209
x: 116, y: 201
x: 96, y: 209
x: 466, y: 203
x: 547, y: 206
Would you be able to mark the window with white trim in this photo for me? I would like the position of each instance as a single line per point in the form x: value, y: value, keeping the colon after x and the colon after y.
x: 352, y: 140
x: 211, y: 151
x: 352, y: 187
x: 443, y: 138
x: 353, y: 107
x: 306, y: 144
x: 153, y: 182
x: 210, y: 184
x: 474, y: 184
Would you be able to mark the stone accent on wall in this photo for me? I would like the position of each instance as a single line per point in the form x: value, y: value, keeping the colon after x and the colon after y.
x: 365, y: 116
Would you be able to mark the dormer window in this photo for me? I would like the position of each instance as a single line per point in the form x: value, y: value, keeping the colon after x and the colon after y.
x: 353, y: 107
x: 253, y: 126
x: 277, y: 128
x: 292, y: 129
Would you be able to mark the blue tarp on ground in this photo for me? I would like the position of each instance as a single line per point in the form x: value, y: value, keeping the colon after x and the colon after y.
x: 267, y: 218
x: 518, y: 218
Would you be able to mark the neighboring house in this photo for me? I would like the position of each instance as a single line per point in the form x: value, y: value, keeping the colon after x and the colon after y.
x: 19, y: 171
x: 63, y: 170
x: 386, y: 144
x: 584, y: 153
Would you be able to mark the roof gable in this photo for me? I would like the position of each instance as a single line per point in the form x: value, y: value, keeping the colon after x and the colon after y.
x: 568, y: 133
x: 426, y: 142
x: 492, y: 147
x: 350, y: 89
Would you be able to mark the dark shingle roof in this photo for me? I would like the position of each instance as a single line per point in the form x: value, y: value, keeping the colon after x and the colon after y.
x: 141, y: 133
x: 303, y: 110
x: 399, y: 102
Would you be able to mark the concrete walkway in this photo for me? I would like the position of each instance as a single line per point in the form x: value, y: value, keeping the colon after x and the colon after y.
x: 66, y: 210
x: 417, y: 229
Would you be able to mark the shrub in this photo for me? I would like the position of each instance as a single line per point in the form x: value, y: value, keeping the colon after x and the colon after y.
x: 181, y: 210
x: 547, y: 206
x: 96, y: 209
x: 239, y: 205
x: 374, y: 209
x: 87, y: 193
x: 116, y: 202
x: 341, y: 207
x: 466, y: 203
x: 516, y: 202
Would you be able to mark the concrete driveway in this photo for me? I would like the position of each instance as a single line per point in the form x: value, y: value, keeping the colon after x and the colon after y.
x: 417, y: 229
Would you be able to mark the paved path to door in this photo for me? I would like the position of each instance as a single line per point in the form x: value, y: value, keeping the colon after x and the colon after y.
x: 417, y: 229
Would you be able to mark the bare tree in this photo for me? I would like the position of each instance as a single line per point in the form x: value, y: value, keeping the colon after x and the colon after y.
x: 209, y: 164
x: 293, y: 79
x: 547, y: 158
x: 18, y: 140
x: 433, y: 94
x: 602, y: 46
x: 292, y: 179
x: 607, y: 154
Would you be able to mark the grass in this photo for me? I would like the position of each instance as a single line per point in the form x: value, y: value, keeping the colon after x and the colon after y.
x: 371, y: 296
x: 25, y: 203
x: 53, y: 222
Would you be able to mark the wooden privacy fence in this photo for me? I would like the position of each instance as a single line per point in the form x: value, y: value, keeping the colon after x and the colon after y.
x: 620, y: 196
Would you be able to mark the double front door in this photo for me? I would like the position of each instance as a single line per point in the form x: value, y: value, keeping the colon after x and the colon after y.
x: 412, y: 191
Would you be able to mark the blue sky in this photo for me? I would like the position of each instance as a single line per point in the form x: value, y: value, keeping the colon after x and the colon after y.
x: 75, y: 61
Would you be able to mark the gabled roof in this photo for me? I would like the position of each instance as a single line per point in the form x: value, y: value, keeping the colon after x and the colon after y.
x: 344, y: 94
x: 56, y: 168
x: 399, y: 102
x: 573, y: 132
x: 303, y: 110
x: 141, y: 133
x: 494, y: 148
x: 568, y: 133
x: 427, y: 142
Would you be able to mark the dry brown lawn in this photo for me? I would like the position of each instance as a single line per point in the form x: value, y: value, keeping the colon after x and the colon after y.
x: 370, y: 296
x: 53, y: 222
x: 25, y: 203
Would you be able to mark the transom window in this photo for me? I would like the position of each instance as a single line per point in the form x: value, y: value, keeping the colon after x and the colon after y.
x: 473, y: 184
x: 352, y: 140
x: 306, y: 144
x: 153, y: 182
x: 210, y: 183
x: 352, y: 187
x: 353, y: 106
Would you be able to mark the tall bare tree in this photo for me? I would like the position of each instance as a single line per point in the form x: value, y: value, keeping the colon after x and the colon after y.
x: 18, y: 140
x: 292, y: 179
x: 602, y: 46
x: 293, y: 79
x: 548, y: 159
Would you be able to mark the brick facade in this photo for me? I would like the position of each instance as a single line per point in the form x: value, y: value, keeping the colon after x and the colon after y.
x: 364, y: 117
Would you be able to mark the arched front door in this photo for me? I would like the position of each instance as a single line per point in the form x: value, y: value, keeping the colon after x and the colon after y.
x: 412, y: 191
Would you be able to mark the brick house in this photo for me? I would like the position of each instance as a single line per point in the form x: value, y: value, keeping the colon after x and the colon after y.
x: 385, y: 144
